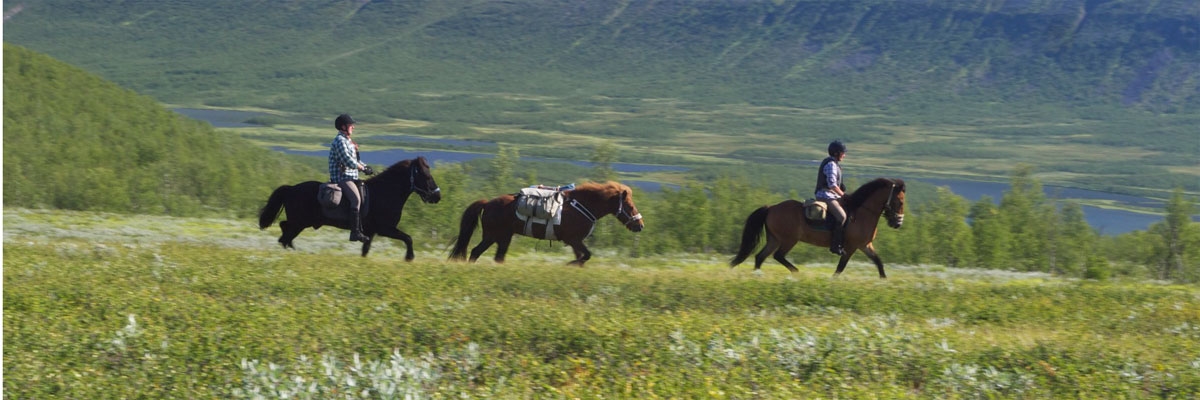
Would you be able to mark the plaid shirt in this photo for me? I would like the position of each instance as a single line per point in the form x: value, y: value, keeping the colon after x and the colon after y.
x: 833, y: 176
x: 343, y: 159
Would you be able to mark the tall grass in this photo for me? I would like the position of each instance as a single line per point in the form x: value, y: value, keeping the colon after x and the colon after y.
x: 138, y: 314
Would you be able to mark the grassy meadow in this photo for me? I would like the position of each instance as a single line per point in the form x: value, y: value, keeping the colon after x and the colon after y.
x: 118, y: 306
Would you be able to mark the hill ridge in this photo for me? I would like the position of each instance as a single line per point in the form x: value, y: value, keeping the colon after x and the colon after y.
x: 74, y: 141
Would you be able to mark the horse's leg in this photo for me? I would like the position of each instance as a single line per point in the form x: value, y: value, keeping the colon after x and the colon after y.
x: 289, y: 233
x: 483, y: 246
x: 869, y: 250
x: 502, y: 247
x: 397, y: 234
x: 770, y: 247
x: 842, y: 262
x: 582, y: 254
x: 781, y: 256
x: 366, y: 246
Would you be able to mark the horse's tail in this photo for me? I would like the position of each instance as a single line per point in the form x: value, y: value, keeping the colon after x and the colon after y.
x: 466, y: 227
x: 269, y: 212
x: 751, y: 234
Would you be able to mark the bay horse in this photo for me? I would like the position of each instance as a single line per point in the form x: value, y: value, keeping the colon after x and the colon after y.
x: 384, y: 200
x: 786, y: 225
x: 582, y: 206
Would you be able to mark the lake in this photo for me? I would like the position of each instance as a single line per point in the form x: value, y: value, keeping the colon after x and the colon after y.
x: 1106, y: 221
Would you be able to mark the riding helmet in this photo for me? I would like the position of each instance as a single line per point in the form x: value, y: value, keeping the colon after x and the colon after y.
x: 342, y: 121
x: 836, y: 147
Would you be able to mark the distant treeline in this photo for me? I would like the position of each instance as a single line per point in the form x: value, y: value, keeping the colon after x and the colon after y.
x: 75, y: 141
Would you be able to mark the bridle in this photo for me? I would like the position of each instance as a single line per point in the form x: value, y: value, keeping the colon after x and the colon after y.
x: 887, y: 207
x: 412, y: 182
x: 629, y: 219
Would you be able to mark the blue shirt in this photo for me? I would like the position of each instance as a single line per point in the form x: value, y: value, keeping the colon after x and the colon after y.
x: 343, y: 159
x: 833, y: 178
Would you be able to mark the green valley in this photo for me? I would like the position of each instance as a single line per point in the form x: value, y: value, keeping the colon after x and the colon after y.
x: 1094, y: 94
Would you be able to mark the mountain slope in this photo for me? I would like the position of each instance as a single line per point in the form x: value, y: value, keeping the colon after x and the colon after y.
x: 75, y: 141
x: 1097, y: 94
x: 860, y: 52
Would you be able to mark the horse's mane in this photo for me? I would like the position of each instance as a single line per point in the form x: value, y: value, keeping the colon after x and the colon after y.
x: 864, y: 192
x: 394, y: 172
x: 603, y: 190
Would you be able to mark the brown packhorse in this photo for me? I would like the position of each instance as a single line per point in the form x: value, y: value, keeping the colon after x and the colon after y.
x: 785, y: 225
x: 582, y: 206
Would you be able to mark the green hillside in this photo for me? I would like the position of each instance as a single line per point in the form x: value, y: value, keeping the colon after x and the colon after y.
x: 1098, y: 94
x: 75, y: 141
x: 814, y: 53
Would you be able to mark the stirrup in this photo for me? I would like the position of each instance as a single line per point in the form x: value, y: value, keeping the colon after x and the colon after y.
x: 839, y: 250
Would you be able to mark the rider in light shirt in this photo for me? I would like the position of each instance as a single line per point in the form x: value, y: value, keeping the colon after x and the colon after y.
x: 829, y: 189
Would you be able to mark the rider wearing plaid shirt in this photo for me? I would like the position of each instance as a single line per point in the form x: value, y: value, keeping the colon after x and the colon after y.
x: 344, y: 164
x: 829, y: 189
x: 343, y: 158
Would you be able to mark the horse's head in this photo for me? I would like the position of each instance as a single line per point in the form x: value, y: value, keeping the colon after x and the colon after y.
x: 870, y: 197
x: 422, y: 181
x: 894, y: 208
x: 610, y: 198
x: 627, y: 213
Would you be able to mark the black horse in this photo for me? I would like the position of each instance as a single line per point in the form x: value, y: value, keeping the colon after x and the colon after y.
x: 385, y: 196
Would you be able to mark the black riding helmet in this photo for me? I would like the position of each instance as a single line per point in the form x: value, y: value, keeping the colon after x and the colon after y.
x: 343, y: 120
x: 836, y: 147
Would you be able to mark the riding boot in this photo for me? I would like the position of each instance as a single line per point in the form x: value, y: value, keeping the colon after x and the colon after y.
x: 356, y: 234
x: 839, y: 235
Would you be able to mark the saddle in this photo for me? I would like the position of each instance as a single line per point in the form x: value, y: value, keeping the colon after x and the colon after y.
x: 540, y: 206
x: 329, y: 195
x: 814, y: 211
x: 816, y: 216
